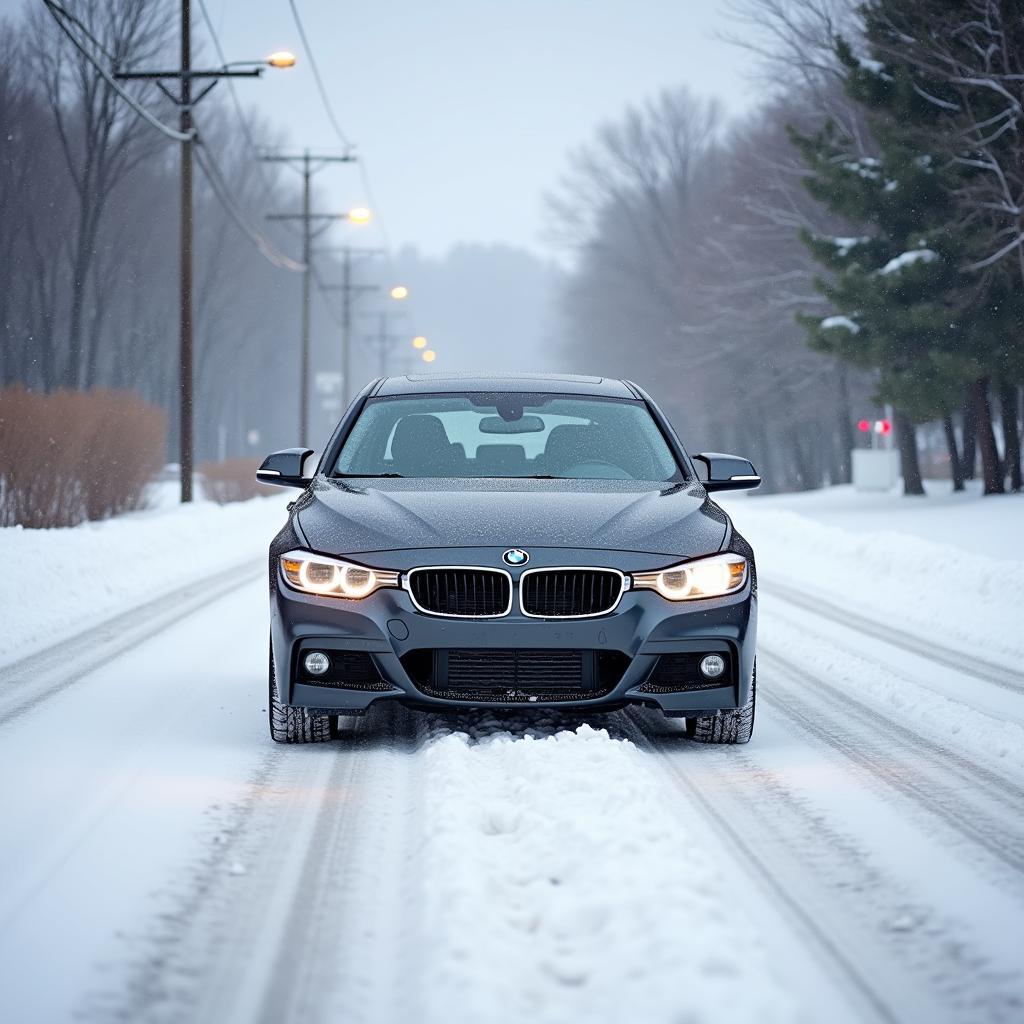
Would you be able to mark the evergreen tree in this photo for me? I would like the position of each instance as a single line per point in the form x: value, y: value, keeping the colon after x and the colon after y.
x: 907, y: 309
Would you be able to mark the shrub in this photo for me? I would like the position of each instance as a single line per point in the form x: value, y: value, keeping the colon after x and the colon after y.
x: 232, y: 480
x: 70, y: 456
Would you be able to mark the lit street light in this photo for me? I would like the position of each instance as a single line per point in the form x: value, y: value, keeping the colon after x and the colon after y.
x: 419, y: 342
x: 399, y: 292
x: 281, y: 59
x: 358, y: 215
x: 185, y: 100
x: 429, y: 356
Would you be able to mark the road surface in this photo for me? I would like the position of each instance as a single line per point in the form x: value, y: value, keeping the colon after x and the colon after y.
x: 861, y: 860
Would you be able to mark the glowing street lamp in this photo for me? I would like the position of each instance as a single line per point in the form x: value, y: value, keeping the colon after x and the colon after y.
x: 419, y: 342
x: 399, y: 292
x: 429, y: 356
x: 359, y: 215
x: 281, y: 59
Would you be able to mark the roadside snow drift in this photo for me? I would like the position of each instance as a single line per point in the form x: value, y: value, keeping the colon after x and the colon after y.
x: 59, y: 582
x: 972, y: 601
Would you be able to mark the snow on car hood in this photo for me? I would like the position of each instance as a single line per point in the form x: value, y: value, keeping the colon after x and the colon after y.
x: 349, y: 516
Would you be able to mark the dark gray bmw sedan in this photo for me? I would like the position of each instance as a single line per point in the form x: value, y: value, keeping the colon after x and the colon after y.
x: 508, y: 542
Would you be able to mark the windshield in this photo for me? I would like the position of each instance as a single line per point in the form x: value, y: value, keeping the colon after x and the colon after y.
x: 507, y: 435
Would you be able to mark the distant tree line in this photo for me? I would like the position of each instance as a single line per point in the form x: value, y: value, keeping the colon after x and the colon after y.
x: 89, y: 237
x: 858, y: 239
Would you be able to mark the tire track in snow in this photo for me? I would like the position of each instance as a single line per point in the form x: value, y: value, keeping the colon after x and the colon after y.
x: 31, y: 681
x: 982, y: 806
x: 899, y: 959
x: 971, y: 664
x: 258, y: 929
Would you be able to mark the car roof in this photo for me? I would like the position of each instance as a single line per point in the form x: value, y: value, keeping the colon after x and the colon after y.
x: 544, y: 383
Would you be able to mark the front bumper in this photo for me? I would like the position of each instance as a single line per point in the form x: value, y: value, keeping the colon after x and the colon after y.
x: 388, y: 628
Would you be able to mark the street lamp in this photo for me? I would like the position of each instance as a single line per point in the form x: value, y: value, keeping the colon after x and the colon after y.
x: 281, y: 59
x: 429, y: 356
x: 358, y: 215
x: 399, y: 292
x: 419, y: 342
x: 185, y: 99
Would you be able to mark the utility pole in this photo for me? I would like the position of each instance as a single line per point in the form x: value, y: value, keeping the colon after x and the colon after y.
x: 383, y: 340
x: 185, y: 101
x: 348, y: 293
x: 309, y: 165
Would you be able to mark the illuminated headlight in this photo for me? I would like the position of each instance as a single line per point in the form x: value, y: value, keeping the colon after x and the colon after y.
x: 703, y: 577
x: 331, y: 577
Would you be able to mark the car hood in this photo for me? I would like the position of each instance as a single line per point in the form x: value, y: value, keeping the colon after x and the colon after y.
x: 348, y: 516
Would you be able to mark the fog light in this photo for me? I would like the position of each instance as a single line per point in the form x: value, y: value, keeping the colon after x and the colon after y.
x: 316, y: 664
x: 712, y: 666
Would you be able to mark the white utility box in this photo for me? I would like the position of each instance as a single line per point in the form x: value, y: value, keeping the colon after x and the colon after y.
x: 875, y: 469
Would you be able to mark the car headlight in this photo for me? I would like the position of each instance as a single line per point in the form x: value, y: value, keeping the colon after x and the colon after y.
x: 703, y: 577
x: 332, y: 577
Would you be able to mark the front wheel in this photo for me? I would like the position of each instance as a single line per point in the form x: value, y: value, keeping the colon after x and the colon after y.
x: 729, y: 726
x: 295, y: 725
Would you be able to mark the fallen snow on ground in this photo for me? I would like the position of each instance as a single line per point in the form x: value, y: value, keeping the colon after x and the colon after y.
x: 569, y: 884
x: 884, y: 570
x: 59, y: 582
x: 954, y: 722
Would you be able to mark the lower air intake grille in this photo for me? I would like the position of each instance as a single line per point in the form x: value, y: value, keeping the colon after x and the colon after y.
x: 515, y: 675
x: 467, y: 593
x: 502, y: 668
x: 564, y: 593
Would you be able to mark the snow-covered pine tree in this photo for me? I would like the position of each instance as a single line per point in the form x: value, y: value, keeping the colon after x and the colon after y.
x: 942, y: 82
x: 896, y: 286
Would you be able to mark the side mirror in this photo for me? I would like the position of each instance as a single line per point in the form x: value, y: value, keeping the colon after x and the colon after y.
x: 291, y: 467
x: 720, y: 472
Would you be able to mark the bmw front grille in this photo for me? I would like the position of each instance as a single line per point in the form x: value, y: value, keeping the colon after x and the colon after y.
x: 461, y: 591
x: 569, y: 593
x: 564, y: 592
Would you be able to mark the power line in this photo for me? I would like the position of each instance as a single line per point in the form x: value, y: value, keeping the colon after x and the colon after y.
x: 57, y: 13
x: 364, y: 174
x: 246, y: 130
x: 223, y: 192
x: 345, y: 141
x: 81, y: 25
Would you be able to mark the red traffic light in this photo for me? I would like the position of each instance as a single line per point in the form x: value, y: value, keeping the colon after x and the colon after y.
x: 883, y: 427
x: 864, y: 426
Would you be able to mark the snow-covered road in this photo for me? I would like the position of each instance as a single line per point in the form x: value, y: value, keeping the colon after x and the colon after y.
x: 861, y: 859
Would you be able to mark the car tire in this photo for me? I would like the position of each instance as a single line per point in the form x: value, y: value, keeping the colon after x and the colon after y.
x: 295, y: 725
x: 729, y: 726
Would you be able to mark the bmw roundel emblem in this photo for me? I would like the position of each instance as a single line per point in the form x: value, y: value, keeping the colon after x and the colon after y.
x: 515, y: 556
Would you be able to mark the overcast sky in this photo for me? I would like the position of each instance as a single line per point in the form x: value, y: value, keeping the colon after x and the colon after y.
x: 465, y: 109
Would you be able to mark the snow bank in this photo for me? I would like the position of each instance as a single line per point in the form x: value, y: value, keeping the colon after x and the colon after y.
x: 59, y: 582
x: 935, y: 589
x: 569, y: 883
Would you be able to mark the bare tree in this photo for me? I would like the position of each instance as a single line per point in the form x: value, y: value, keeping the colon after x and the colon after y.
x: 689, y: 272
x: 101, y: 139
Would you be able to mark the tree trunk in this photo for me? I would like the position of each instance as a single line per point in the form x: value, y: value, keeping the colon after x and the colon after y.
x: 991, y: 470
x: 847, y: 440
x: 906, y: 438
x: 970, y: 422
x: 956, y: 471
x: 1009, y: 408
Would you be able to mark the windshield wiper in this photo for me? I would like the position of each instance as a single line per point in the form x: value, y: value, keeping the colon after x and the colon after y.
x: 365, y: 476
